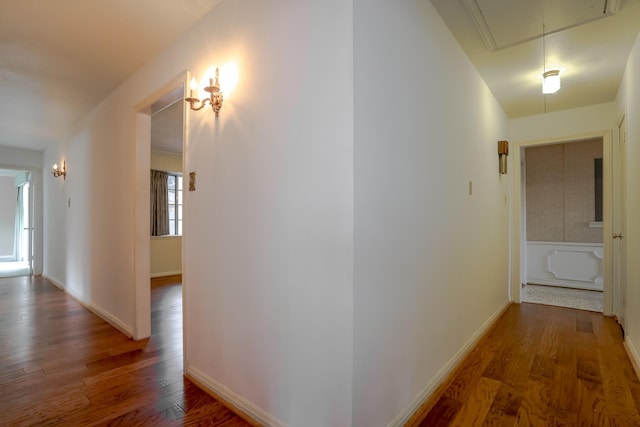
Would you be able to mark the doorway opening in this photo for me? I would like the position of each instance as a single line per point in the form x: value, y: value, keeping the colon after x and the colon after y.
x: 564, y: 250
x: 16, y: 224
x: 537, y: 262
x: 154, y: 116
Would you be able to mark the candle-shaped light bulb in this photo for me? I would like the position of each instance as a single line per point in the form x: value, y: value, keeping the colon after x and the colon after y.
x: 55, y: 167
x: 193, y: 86
x: 212, y: 76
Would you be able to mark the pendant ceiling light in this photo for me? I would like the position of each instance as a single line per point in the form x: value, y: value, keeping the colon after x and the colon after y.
x: 550, y: 81
x: 550, y: 78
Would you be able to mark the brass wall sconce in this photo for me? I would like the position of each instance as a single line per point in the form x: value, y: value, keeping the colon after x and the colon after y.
x: 215, y: 96
x: 57, y: 172
x: 503, y: 151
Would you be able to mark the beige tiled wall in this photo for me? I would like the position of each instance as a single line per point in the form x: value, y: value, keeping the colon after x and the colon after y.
x: 560, y: 195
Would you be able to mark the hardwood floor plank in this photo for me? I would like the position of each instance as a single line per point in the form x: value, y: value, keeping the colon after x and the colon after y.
x: 589, y: 370
x: 497, y: 367
x: 442, y: 413
x: 475, y: 407
x: 592, y: 405
x: 470, y: 373
x: 542, y: 367
x: 35, y: 410
x: 535, y: 404
x: 506, y: 402
x: 558, y: 417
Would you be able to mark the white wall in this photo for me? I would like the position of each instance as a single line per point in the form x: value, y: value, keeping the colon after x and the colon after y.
x: 166, y: 251
x: 567, y: 123
x: 629, y: 104
x: 55, y: 224
x: 168, y: 162
x: 268, y: 246
x: 269, y: 259
x: 8, y: 194
x: 166, y: 255
x: 19, y: 158
x: 431, y: 261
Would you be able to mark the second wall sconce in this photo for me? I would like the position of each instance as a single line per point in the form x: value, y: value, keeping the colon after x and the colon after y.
x: 503, y: 151
x: 215, y: 96
x: 60, y: 172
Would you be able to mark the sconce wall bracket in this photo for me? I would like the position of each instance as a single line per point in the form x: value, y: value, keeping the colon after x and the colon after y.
x: 215, y: 96
x: 60, y: 172
x: 503, y: 152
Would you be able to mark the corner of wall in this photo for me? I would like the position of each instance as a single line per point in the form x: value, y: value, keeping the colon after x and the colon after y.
x: 633, y: 355
x: 234, y: 401
x: 444, y: 375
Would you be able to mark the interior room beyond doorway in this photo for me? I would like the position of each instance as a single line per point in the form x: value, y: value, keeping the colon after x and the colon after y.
x: 563, y: 192
x: 15, y: 223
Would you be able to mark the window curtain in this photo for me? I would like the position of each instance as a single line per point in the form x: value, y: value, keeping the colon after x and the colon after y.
x: 19, y: 226
x: 159, y: 203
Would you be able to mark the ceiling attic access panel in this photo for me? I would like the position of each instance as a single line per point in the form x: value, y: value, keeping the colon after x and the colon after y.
x: 505, y: 23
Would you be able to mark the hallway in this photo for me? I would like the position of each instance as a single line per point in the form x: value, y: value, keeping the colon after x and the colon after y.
x: 62, y: 365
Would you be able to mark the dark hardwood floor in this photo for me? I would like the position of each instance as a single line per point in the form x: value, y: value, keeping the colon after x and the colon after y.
x: 541, y: 366
x: 61, y: 365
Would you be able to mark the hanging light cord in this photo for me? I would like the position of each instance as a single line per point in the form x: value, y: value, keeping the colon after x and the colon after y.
x: 544, y: 50
x: 544, y: 62
x: 606, y: 2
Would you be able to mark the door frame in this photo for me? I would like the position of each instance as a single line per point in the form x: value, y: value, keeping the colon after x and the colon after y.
x: 29, y: 225
x: 619, y: 194
x: 36, y: 215
x: 518, y: 223
x: 142, y: 239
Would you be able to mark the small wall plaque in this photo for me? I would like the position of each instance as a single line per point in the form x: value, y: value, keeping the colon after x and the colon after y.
x: 192, y: 181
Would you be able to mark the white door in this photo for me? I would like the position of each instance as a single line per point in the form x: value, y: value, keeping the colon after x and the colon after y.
x: 619, y: 223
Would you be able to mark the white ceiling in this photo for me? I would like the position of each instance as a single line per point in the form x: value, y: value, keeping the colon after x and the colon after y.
x: 59, y: 58
x: 167, y: 129
x: 503, y: 39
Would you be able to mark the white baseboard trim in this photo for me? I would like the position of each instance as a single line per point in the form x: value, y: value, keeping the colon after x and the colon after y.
x: 447, y: 369
x: 166, y: 273
x: 225, y: 394
x: 101, y: 313
x: 633, y: 355
x: 112, y: 320
x: 58, y: 284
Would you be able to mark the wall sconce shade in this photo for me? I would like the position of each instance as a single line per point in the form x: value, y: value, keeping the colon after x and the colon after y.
x: 60, y: 172
x: 503, y: 152
x: 215, y: 96
x: 551, y: 81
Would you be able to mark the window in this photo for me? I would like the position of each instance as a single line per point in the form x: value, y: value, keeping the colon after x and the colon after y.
x: 598, y: 188
x: 174, y: 185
